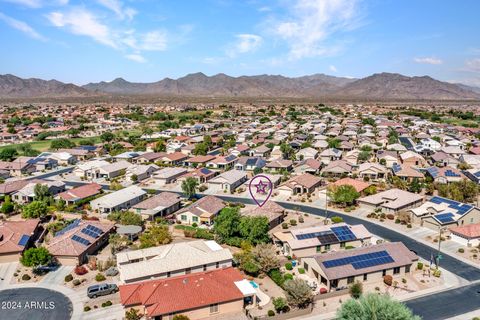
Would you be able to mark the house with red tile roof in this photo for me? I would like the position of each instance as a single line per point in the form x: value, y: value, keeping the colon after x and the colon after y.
x: 15, y: 237
x: 197, y: 295
x: 72, y: 244
x: 302, y: 184
x: 74, y: 195
x: 467, y: 235
x: 359, y: 185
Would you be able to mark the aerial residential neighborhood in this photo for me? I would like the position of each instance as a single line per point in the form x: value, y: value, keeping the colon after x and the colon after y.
x: 239, y: 160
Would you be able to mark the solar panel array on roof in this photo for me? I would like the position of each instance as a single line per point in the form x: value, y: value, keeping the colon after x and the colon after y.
x: 328, y: 238
x: 361, y: 261
x: 94, y: 229
x: 396, y: 167
x: 90, y: 233
x: 72, y: 225
x: 81, y: 240
x: 433, y: 171
x: 458, y: 207
x: 343, y: 233
x: 445, y: 217
x: 205, y: 171
x: 450, y: 173
x: 23, y: 240
x: 230, y: 158
x: 312, y: 235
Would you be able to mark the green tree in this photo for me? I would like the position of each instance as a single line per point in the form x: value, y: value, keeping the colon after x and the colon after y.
x: 374, y: 306
x: 266, y: 257
x: 356, y: 290
x: 364, y: 156
x: 334, y: 143
x: 26, y: 150
x: 207, y: 140
x: 61, y: 143
x: 160, y: 146
x: 189, y: 187
x: 7, y: 206
x: 8, y: 154
x: 126, y: 218
x: 156, y: 235
x: 35, y: 209
x: 35, y: 257
x: 415, y: 186
x: 254, y: 229
x: 344, y: 195
x: 287, y: 150
x: 227, y: 222
x: 41, y: 192
x: 107, y: 136
x: 299, y: 294
x: 280, y: 304
x: 200, y: 149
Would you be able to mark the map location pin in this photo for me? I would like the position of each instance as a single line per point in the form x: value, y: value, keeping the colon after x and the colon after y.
x: 260, y: 188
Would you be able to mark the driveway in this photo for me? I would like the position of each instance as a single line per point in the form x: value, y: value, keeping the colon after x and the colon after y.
x: 34, y: 304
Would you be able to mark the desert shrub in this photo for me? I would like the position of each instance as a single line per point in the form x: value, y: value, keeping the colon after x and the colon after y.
x: 409, y: 226
x: 419, y: 265
x: 76, y: 282
x: 107, y: 304
x: 301, y: 270
x: 337, y: 219
x: 87, y: 308
x: 271, y: 313
x: 397, y: 221
x: 288, y: 266
x: 68, y: 278
x: 301, y: 220
x: 388, y: 280
x: 288, y: 276
x: 390, y: 216
x: 284, y: 225
x: 276, y: 277
x: 293, y: 222
x: 461, y: 250
x: 437, y: 273
x: 26, y: 277
x: 80, y: 270
x: 99, y: 277
x: 356, y: 290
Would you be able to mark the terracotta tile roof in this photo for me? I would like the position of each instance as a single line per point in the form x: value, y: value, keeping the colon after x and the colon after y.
x: 469, y: 231
x: 357, y: 184
x: 271, y: 210
x: 12, y: 231
x: 307, y: 180
x: 13, y: 186
x: 183, y: 292
x: 81, y: 192
x: 64, y: 245
x: 176, y: 156
x: 201, y: 159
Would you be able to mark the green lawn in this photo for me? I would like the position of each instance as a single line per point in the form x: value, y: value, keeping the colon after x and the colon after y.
x: 44, y: 145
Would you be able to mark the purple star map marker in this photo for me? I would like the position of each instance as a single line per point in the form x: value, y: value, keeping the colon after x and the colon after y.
x: 260, y: 185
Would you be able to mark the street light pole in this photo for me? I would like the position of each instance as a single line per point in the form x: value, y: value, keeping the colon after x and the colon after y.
x: 440, y: 229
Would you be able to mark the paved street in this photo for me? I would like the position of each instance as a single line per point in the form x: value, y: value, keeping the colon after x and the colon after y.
x: 34, y: 304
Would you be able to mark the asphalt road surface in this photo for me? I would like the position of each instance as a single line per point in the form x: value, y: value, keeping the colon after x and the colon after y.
x: 34, y: 304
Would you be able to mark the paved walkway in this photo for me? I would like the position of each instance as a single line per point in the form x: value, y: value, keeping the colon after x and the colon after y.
x: 6, y: 273
x: 58, y: 276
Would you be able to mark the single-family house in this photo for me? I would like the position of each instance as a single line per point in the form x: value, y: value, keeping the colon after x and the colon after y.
x: 228, y: 181
x: 391, y: 201
x: 202, y: 211
x: 159, y: 205
x: 122, y: 199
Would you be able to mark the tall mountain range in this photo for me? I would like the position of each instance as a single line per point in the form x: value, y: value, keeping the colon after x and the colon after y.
x: 381, y: 86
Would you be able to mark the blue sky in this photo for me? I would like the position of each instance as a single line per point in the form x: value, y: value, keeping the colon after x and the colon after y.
x: 147, y: 40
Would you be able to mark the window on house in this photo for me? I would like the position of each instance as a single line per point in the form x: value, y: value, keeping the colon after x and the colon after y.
x: 350, y: 280
x: 407, y: 269
x: 305, y: 266
x: 214, y: 308
x: 183, y: 217
x: 188, y: 270
x: 195, y: 219
x: 319, y: 248
x: 384, y: 273
x: 327, y: 247
x: 396, y: 270
x: 342, y: 244
x: 168, y: 274
x: 365, y: 277
x: 204, y: 267
x: 217, y: 265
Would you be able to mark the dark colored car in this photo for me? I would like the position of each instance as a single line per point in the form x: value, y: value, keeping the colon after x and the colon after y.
x: 46, y: 268
x: 101, y: 290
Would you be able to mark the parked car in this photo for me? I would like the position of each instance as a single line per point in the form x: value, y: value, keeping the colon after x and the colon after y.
x: 52, y: 266
x: 111, y: 272
x: 101, y: 290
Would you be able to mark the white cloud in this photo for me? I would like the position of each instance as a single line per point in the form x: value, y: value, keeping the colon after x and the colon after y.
x: 153, y: 41
x: 473, y: 65
x: 136, y: 57
x: 428, y: 60
x: 312, y: 22
x: 118, y: 8
x: 245, y: 43
x: 21, y: 26
x: 333, y: 68
x: 82, y: 22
